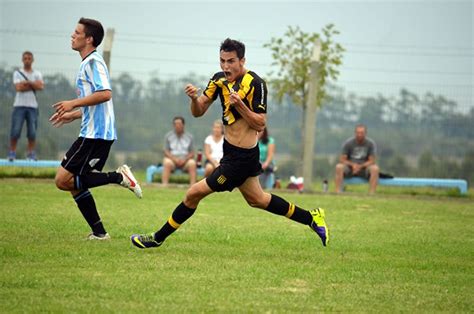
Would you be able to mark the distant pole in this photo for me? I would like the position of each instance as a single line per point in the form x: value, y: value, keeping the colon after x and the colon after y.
x: 310, y: 118
x: 108, y: 40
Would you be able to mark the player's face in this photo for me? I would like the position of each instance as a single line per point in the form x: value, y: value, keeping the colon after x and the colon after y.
x: 232, y: 66
x: 360, y: 134
x: 178, y: 126
x: 78, y: 38
x: 27, y: 60
x: 217, y: 129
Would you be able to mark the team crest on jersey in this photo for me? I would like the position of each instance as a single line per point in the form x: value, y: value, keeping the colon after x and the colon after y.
x: 93, y: 162
x: 222, y: 179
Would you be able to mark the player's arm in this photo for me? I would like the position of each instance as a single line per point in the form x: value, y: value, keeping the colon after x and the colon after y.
x: 23, y: 86
x: 344, y: 160
x: 189, y: 156
x: 257, y: 121
x: 370, y: 161
x: 371, y: 156
x: 90, y: 100
x: 199, y: 104
x: 208, y: 151
x: 36, y: 85
x: 270, y: 153
x: 169, y: 155
x: 59, y: 120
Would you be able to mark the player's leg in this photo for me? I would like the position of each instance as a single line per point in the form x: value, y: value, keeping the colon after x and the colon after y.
x: 86, y: 159
x: 208, y: 168
x: 31, y: 118
x: 339, y: 177
x: 181, y: 213
x: 373, y: 170
x: 15, y: 131
x: 191, y: 168
x: 85, y: 202
x: 76, y: 175
x: 168, y: 167
x: 256, y: 197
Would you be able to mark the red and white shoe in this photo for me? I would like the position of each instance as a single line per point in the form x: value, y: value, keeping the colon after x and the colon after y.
x: 129, y: 180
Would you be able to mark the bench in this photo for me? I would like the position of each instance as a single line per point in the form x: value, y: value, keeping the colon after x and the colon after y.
x: 460, y: 184
x: 30, y: 163
x: 152, y: 170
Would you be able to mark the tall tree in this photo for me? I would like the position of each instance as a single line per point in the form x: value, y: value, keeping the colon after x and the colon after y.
x: 292, y: 58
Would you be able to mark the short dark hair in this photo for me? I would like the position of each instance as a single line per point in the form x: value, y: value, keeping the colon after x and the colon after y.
x: 27, y: 52
x: 361, y: 125
x: 265, y: 136
x: 179, y: 118
x: 93, y: 28
x: 230, y: 45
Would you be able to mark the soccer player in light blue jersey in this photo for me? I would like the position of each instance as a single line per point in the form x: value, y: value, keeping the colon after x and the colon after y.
x: 82, y: 165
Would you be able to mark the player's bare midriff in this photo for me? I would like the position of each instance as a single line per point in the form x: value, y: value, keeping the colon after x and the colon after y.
x: 240, y: 134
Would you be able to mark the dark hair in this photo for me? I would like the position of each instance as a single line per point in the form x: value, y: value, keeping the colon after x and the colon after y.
x: 93, y: 28
x: 179, y: 118
x: 264, y: 139
x: 230, y: 45
x: 361, y: 125
x: 27, y: 53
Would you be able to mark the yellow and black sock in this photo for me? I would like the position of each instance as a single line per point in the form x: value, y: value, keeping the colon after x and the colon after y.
x: 86, y: 204
x: 281, y: 207
x: 178, y: 217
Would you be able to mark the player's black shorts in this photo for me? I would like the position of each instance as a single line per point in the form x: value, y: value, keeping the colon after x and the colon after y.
x: 235, y: 167
x: 86, y: 154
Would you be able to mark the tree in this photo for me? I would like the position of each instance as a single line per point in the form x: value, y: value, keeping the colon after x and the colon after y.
x: 292, y: 57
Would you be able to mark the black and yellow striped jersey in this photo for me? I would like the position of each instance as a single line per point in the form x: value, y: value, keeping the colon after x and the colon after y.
x: 250, y: 87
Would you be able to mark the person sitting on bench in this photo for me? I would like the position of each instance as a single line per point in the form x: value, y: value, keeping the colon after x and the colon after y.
x: 358, y: 159
x: 179, y: 152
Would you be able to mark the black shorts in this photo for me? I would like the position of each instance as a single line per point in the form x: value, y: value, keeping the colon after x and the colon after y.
x: 237, y: 165
x: 86, y: 154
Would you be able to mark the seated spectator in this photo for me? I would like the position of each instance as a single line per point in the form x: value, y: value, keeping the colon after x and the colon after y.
x: 179, y: 152
x: 266, y: 145
x: 358, y: 159
x: 213, y: 147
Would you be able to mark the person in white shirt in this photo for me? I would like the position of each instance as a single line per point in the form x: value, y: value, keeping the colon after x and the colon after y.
x: 213, y: 147
x: 25, y: 108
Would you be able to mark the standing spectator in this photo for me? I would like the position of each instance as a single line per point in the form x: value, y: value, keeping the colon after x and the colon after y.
x: 179, y: 152
x: 358, y: 159
x: 266, y: 145
x: 213, y: 147
x: 25, y: 108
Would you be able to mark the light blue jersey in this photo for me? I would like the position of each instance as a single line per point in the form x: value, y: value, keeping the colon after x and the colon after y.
x: 98, y: 121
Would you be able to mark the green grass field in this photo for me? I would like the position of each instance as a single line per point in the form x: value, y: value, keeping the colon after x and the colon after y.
x: 387, y: 253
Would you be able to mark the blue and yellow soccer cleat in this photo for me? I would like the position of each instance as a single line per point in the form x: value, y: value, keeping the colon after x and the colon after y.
x: 319, y: 225
x: 144, y: 241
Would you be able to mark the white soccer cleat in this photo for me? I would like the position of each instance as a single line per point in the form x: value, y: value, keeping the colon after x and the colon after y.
x: 99, y: 237
x: 129, y: 180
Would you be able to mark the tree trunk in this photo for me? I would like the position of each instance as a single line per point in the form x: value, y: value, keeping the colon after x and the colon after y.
x: 300, y: 170
x: 310, y: 122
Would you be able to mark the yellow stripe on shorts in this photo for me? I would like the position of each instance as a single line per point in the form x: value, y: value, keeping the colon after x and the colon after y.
x: 291, y: 210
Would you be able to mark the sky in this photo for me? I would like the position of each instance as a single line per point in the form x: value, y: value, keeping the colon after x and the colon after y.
x: 424, y: 46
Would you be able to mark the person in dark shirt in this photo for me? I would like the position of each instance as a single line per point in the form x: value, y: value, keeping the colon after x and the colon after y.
x: 358, y: 159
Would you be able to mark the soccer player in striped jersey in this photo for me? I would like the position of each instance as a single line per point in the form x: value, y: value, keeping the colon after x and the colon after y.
x: 82, y: 165
x: 243, y: 96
